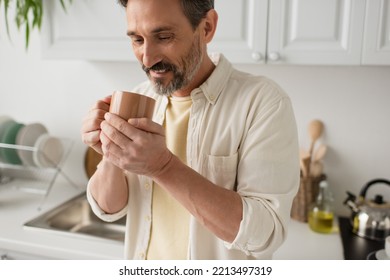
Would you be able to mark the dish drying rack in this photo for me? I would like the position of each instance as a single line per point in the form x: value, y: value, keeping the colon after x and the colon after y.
x: 34, y: 179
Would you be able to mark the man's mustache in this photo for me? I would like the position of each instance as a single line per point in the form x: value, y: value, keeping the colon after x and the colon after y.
x: 159, y: 66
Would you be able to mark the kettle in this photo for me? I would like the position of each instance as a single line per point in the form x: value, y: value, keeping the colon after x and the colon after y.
x: 370, y: 218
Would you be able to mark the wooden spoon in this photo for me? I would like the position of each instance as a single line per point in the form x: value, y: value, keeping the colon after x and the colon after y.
x: 316, y: 127
x: 320, y: 152
x: 305, y: 163
x: 316, y: 169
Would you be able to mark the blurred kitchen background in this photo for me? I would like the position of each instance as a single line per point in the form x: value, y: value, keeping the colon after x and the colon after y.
x: 353, y: 100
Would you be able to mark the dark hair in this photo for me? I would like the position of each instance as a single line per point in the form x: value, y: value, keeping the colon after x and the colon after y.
x: 194, y: 10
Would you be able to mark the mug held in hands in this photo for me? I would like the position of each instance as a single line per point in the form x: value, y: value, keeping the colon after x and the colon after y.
x: 130, y: 105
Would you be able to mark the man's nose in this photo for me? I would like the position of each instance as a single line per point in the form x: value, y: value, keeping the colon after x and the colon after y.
x: 151, y: 55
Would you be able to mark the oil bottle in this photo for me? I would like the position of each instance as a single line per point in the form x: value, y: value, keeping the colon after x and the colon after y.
x: 321, y: 211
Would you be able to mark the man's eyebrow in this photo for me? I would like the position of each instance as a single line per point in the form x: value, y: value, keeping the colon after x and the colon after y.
x: 154, y: 31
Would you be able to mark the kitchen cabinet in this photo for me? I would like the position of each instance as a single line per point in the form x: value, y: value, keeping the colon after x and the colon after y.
x: 332, y: 32
x: 376, y: 48
x: 90, y: 30
x: 242, y: 26
x: 96, y: 30
x: 307, y: 32
x: 315, y: 31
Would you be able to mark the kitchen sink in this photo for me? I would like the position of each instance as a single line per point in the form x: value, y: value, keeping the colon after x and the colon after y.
x: 75, y: 217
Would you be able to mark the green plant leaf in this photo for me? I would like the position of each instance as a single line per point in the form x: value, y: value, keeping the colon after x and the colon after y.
x: 28, y: 13
x: 27, y: 34
x: 37, y: 15
x: 6, y: 5
x: 63, y: 4
x: 40, y: 13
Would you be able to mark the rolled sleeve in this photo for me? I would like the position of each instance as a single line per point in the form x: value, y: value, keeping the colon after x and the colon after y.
x: 100, y: 213
x: 260, y: 229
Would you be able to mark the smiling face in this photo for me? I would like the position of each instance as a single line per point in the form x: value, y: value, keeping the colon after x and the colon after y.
x: 171, y: 52
x: 169, y: 77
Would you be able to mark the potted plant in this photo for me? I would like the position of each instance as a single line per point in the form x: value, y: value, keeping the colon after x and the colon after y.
x: 28, y: 14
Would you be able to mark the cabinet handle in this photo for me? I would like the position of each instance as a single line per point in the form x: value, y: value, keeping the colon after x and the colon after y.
x: 274, y: 56
x: 257, y: 56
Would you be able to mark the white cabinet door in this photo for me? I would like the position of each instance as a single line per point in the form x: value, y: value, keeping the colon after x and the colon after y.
x: 90, y: 29
x: 242, y: 30
x: 315, y: 31
x: 376, y: 49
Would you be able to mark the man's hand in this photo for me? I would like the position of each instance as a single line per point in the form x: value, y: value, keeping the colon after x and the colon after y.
x: 90, y: 129
x: 137, y: 146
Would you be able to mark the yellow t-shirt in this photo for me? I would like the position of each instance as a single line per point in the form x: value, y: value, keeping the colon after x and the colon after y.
x: 170, y: 220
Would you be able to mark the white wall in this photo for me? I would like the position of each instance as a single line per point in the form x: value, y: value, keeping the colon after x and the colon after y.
x: 353, y: 102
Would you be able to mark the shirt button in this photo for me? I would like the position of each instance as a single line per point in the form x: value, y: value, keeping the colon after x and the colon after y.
x: 211, y: 97
x: 147, y: 186
x: 142, y: 255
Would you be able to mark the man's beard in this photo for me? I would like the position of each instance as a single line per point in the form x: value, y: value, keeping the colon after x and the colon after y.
x: 181, y: 76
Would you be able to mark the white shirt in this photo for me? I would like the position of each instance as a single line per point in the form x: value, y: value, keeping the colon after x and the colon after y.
x: 242, y: 136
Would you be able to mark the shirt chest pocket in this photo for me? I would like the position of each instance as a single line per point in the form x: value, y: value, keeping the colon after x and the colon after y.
x: 221, y: 170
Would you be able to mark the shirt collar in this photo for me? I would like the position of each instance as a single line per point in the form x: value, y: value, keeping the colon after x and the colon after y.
x: 217, y: 81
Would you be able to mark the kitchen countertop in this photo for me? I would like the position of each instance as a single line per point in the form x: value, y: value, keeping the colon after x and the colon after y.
x: 305, y: 244
x: 17, y: 207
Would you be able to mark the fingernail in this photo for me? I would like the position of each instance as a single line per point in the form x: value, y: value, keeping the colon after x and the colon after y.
x: 133, y: 122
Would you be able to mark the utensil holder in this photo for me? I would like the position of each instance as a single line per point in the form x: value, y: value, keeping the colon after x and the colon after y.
x: 307, y: 193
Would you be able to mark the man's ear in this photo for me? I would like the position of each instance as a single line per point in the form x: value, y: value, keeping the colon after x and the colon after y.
x: 210, y: 25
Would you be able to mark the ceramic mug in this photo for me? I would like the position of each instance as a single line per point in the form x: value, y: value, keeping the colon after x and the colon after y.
x: 130, y: 105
